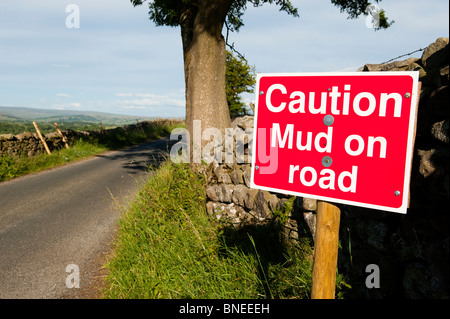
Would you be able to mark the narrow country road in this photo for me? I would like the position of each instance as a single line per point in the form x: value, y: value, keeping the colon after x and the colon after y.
x: 66, y: 216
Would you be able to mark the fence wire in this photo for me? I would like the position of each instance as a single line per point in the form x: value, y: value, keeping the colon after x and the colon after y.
x: 401, y: 56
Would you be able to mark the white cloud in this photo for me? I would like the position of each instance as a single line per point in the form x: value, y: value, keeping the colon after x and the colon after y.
x: 124, y: 94
x: 62, y: 95
x: 151, y: 99
x: 135, y: 107
x: 157, y: 101
x: 67, y: 106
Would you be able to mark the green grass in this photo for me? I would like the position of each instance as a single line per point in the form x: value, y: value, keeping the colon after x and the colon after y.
x: 168, y: 247
x: 11, y: 167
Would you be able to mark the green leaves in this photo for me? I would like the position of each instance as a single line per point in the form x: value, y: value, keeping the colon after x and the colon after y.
x: 240, y: 78
x: 169, y: 12
x: 354, y: 8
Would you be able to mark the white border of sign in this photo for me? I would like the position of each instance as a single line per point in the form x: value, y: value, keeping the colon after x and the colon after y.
x: 410, y: 143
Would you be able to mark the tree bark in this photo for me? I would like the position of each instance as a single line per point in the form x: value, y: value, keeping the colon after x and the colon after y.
x: 204, y: 64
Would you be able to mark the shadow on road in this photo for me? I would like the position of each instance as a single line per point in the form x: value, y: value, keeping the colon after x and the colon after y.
x: 143, y: 157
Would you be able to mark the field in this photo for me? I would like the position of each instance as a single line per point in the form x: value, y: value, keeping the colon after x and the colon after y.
x: 15, y: 120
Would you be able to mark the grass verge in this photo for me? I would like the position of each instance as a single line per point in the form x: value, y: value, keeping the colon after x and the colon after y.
x: 168, y: 247
x: 15, y: 166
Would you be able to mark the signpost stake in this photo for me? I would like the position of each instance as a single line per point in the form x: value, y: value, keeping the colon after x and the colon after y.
x: 62, y: 136
x: 325, y: 251
x: 42, y: 138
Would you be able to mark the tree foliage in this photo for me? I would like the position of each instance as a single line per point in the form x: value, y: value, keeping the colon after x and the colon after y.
x: 170, y: 12
x: 354, y: 8
x: 240, y: 78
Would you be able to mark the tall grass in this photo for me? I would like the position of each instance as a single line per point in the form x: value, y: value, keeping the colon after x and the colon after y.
x: 168, y: 247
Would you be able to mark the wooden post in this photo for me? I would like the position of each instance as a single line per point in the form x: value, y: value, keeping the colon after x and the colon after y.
x: 62, y: 136
x: 325, y: 251
x: 42, y: 138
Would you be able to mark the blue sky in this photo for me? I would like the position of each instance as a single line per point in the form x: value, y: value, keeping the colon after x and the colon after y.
x: 117, y: 61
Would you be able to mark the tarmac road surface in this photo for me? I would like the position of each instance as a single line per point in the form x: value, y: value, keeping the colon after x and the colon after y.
x: 55, y: 224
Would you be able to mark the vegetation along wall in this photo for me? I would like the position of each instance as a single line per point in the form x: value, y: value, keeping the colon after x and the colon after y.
x: 29, y: 144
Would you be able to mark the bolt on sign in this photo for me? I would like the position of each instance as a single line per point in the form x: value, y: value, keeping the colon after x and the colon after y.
x: 340, y: 137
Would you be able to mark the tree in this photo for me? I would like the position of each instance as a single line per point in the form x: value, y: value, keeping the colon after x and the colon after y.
x: 201, y: 23
x: 240, y: 78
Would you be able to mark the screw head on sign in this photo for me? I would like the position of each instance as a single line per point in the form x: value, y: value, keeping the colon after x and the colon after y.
x: 257, y: 167
x: 407, y: 95
x: 261, y: 92
x: 397, y: 193
x: 327, y: 161
x: 328, y: 120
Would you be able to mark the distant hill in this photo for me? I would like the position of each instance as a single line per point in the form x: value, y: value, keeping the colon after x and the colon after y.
x: 15, y: 120
x: 31, y: 114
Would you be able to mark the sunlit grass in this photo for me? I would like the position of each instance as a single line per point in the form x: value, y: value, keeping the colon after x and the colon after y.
x: 169, y: 247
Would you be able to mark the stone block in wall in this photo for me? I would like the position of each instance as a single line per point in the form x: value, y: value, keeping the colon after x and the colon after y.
x: 220, y: 192
x: 309, y: 204
x: 243, y: 122
x: 240, y: 194
x: 7, y: 137
x: 393, y: 66
x: 310, y: 219
x: 436, y: 54
x: 250, y: 197
x: 237, y: 177
x: 261, y: 204
x: 426, y: 166
x: 25, y: 136
x: 222, y: 175
x: 290, y: 230
x: 211, y: 193
x: 431, y: 181
x: 444, y: 75
x: 439, y: 131
x: 274, y: 203
x: 247, y: 175
x: 209, y: 171
x: 231, y: 212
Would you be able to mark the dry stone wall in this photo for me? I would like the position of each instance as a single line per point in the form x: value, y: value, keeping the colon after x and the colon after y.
x: 410, y: 250
x: 29, y: 144
x: 230, y: 198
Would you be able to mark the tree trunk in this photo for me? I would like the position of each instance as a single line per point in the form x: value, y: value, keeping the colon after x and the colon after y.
x: 204, y: 65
